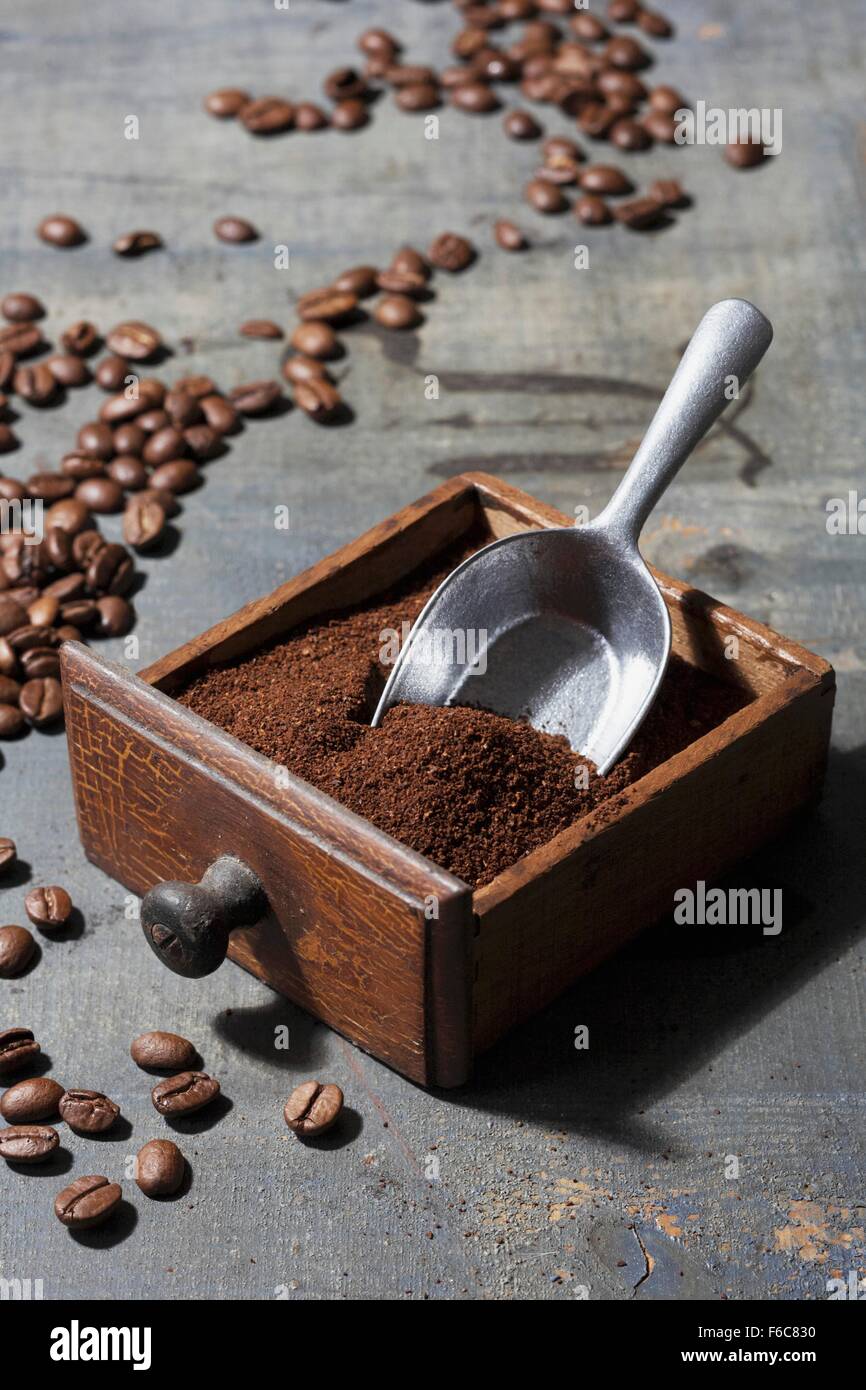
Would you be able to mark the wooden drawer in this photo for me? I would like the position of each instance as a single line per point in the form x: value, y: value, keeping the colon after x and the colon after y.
x: 349, y: 932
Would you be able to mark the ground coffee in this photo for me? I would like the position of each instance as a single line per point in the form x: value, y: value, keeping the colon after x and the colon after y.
x: 469, y: 789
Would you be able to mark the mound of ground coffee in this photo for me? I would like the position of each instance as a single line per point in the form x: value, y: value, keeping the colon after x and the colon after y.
x: 469, y: 789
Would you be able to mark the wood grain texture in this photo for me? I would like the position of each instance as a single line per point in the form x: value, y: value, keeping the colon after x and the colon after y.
x: 556, y: 1169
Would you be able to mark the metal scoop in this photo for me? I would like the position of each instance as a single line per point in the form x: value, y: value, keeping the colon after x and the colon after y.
x: 566, y: 627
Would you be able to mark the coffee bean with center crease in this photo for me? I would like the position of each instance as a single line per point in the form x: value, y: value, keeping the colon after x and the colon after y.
x: 17, y: 1050
x: 344, y: 82
x: 21, y: 339
x: 111, y: 569
x: 68, y: 370
x: 41, y: 701
x: 316, y: 340
x: 60, y: 230
x: 182, y: 1094
x: 640, y: 213
x: 267, y: 116
x: 226, y: 102
x: 50, y: 487
x: 358, y: 280
x: 80, y: 338
x: 402, y: 282
x: 135, y: 340
x: 327, y: 305
x: 8, y: 852
x: 256, y: 397
x: 111, y: 372
x: 28, y: 1102
x: 397, y: 311
x: 87, y: 1202
x: 88, y: 1112
x: 48, y: 908
x: 235, y: 229
x: 219, y: 413
x: 159, y: 1168
x: 21, y: 308
x: 137, y: 243
x: 545, y: 196
x: 177, y: 476
x: 143, y: 524
x: 313, y: 1108
x: 28, y: 1143
x: 260, y: 328
x: 158, y: 1051
x: 16, y: 952
x: 451, y: 252
x: 300, y: 368
x: 318, y: 398
x: 9, y: 692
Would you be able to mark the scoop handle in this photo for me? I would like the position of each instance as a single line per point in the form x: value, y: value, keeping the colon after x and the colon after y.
x: 727, y: 345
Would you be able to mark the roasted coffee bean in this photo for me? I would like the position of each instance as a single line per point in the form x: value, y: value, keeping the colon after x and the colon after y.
x: 402, y: 282
x: 8, y: 439
x: 48, y: 908
x: 60, y: 230
x: 16, y: 951
x: 164, y: 444
x: 407, y: 74
x: 588, y: 26
x: 661, y: 127
x: 21, y: 308
x: 69, y: 515
x: 8, y: 850
x: 21, y: 339
x: 88, y: 1112
x: 235, y: 229
x: 408, y: 260
x: 56, y: 550
x: 606, y: 179
x: 17, y: 1050
x: 87, y: 1202
x: 397, y: 311
x: 40, y: 663
x: 418, y: 97
x: 226, y: 102
x: 96, y: 439
x: 639, y: 214
x: 10, y: 716
x: 152, y: 420
x: 219, y: 413
x: 545, y: 196
x: 326, y: 305
x: 80, y: 612
x: 255, y: 398
x: 451, y: 252
x: 592, y: 210
x: 260, y: 328
x: 378, y: 43
x: 310, y: 117
x: 560, y: 170
x: 101, y: 495
x: 359, y: 281
x: 654, y: 24
x: 9, y: 692
x: 184, y: 1093
x: 159, y: 1051
x: 7, y: 368
x: 12, y: 615
x: 613, y: 82
x: 129, y: 438
x: 160, y: 1168
x: 86, y: 545
x: 509, y: 236
x: 29, y: 636
x: 68, y: 588
x: 267, y: 116
x: 143, y: 524
x: 623, y: 52
x: 491, y: 65
x: 744, y: 154
x: 299, y: 368
x: 111, y: 372
x: 128, y: 472
x: 349, y: 115
x: 136, y: 243
x: 316, y: 340
x: 313, y: 1108
x: 202, y: 442
x: 111, y: 569
x: 50, y: 487
x: 115, y: 615
x: 623, y: 11
x: 43, y: 613
x: 134, y: 340
x: 344, y: 82
x: 668, y: 192
x: 667, y: 99
x: 630, y: 135
x: 560, y: 147
x: 28, y: 1143
x: 80, y: 338
x: 37, y: 1098
x: 475, y: 98
x: 68, y: 370
x: 318, y: 399
x: 177, y: 476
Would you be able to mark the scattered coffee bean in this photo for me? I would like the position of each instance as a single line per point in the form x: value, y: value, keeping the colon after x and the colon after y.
x: 350, y: 115
x: 606, y: 179
x: 177, y: 476
x: 226, y: 102
x: 408, y: 260
x: 220, y: 414
x: 326, y: 305
x: 299, y: 368
x: 509, y: 236
x: 41, y: 701
x: 360, y: 281
x: 667, y: 99
x: 668, y: 192
x: 16, y: 951
x: 344, y: 82
x: 136, y: 243
x: 397, y: 311
x: 102, y: 495
x: 111, y: 372
x: 260, y: 328
x: 267, y: 116
x: 545, y: 196
x: 744, y: 154
x: 8, y: 850
x: 639, y: 214
x: 17, y: 1050
x: 28, y: 1102
x: 8, y: 439
x: 310, y: 117
x: 49, y: 908
x: 402, y: 282
x: 37, y: 385
x: 592, y: 210
x: 115, y: 614
x: 80, y: 338
x: 160, y: 1168
x: 235, y: 229
x: 378, y: 43
x: 28, y: 1143
x: 21, y: 308
x: 68, y: 515
x: 87, y: 1202
x: 654, y: 24
x: 520, y: 125
x: 255, y: 398
x: 313, y: 1108
x: 631, y: 135
x: 588, y: 26
x: 59, y: 230
x: 134, y: 340
x: 420, y: 96
x: 68, y: 370
x: 318, y: 398
x: 182, y: 1094
x: 451, y: 252
x: 129, y: 471
x: 21, y: 340
x: 475, y: 98
x: 661, y: 127
x: 624, y: 52
x: 159, y: 1051
x: 87, y: 1112
x: 143, y: 524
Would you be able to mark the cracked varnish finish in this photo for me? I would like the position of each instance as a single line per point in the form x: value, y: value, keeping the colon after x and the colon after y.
x: 702, y: 1046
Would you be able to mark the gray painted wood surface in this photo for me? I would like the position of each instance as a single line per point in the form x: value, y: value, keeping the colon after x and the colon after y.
x: 557, y: 1170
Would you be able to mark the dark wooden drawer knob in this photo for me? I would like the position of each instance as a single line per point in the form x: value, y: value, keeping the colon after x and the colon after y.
x: 188, y: 924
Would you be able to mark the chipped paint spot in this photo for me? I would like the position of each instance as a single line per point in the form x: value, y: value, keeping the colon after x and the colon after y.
x: 810, y: 1234
x: 669, y: 1222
